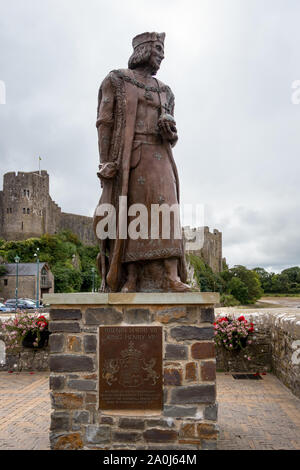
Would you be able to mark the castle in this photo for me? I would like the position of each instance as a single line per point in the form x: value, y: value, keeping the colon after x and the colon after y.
x: 27, y: 210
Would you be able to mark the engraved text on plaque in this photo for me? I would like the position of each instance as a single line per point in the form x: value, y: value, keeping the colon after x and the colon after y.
x: 130, y: 367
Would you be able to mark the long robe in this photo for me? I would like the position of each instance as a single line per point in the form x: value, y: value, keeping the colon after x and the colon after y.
x: 146, y: 173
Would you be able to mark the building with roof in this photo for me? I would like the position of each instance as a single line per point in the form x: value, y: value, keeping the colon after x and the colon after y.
x: 27, y: 280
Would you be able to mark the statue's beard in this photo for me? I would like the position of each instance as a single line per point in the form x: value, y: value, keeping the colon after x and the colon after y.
x: 154, y: 68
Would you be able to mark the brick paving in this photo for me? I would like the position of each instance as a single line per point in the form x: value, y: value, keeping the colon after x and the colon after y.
x: 259, y: 415
x: 24, y: 411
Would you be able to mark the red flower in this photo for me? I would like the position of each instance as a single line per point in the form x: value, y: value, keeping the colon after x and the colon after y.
x: 42, y: 321
x: 242, y: 318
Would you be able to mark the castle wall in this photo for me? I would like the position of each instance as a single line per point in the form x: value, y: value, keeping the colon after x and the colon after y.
x: 81, y: 225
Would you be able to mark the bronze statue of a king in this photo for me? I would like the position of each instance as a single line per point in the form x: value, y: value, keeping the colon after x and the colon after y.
x: 136, y: 133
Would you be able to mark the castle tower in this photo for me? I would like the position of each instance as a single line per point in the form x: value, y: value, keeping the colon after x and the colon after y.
x: 205, y: 244
x: 26, y: 209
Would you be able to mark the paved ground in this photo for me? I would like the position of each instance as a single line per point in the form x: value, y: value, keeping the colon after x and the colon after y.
x: 24, y: 411
x: 260, y: 414
x: 257, y: 414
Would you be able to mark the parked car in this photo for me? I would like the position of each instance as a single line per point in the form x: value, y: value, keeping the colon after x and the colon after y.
x: 4, y: 308
x: 33, y: 301
x: 21, y: 304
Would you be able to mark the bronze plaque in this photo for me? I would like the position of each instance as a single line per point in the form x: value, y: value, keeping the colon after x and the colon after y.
x: 130, y: 368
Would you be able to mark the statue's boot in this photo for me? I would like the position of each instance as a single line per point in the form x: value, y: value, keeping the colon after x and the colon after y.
x: 129, y: 287
x: 172, y: 282
x: 173, y: 285
x: 130, y: 284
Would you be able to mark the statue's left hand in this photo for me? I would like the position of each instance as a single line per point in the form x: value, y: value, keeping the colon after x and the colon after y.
x: 167, y: 128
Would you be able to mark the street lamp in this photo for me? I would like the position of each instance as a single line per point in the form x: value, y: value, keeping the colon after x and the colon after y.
x: 37, y: 278
x: 93, y: 273
x: 17, y: 260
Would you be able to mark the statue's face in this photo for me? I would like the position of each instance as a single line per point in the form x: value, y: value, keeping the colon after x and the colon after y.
x: 157, y: 55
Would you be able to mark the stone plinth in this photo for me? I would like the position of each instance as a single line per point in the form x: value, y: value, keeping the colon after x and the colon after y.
x: 188, y: 417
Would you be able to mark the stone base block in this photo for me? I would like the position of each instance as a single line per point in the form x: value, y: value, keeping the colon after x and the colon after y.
x: 188, y: 417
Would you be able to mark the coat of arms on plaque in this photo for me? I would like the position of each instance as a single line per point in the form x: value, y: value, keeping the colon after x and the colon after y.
x: 130, y: 370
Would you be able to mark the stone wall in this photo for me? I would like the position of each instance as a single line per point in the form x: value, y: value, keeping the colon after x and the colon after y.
x: 23, y: 359
x: 275, y: 348
x: 285, y: 334
x: 189, y: 415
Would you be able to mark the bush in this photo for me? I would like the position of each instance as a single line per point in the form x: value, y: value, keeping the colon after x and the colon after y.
x: 227, y: 300
x: 207, y: 280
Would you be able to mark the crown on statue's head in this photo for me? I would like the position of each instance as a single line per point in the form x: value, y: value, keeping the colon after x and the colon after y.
x: 148, y: 37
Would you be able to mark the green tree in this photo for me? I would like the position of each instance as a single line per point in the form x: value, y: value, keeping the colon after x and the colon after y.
x: 265, y: 279
x: 250, y: 279
x: 280, y: 283
x: 66, y: 278
x: 207, y: 280
x: 239, y: 290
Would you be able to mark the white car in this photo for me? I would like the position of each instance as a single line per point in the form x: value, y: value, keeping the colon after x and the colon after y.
x: 3, y: 308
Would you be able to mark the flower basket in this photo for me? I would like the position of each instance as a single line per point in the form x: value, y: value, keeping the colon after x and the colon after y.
x: 31, y: 338
x: 233, y: 334
x: 27, y: 330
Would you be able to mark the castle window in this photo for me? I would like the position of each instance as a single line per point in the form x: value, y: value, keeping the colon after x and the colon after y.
x: 22, y: 226
x: 27, y: 192
x: 24, y: 192
x: 10, y: 210
x: 28, y: 211
x: 5, y: 282
x: 24, y: 210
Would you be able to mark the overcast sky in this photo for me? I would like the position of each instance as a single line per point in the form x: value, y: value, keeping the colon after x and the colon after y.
x: 231, y: 65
